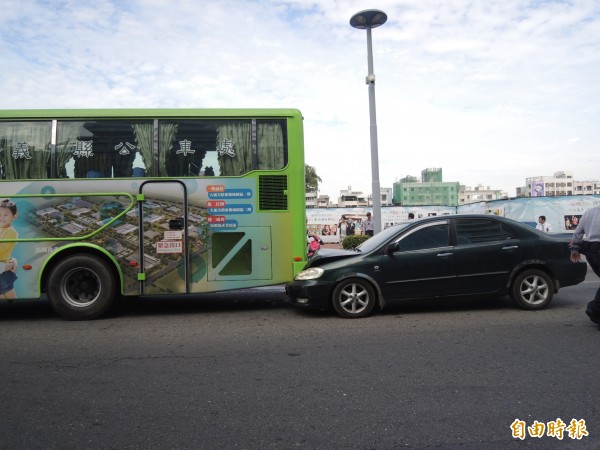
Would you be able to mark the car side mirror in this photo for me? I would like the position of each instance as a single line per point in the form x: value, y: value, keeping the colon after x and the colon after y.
x: 392, y: 247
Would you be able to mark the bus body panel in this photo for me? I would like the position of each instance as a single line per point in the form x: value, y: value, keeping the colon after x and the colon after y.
x: 167, y: 235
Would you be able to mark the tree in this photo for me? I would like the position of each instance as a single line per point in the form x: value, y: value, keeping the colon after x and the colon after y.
x: 311, y: 179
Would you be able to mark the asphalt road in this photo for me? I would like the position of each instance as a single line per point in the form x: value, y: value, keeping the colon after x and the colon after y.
x: 247, y: 370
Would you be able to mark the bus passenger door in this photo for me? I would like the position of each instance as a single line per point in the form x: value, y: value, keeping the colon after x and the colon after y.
x: 164, y: 264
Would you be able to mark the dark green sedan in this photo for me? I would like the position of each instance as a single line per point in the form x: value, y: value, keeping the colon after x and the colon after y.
x: 443, y: 256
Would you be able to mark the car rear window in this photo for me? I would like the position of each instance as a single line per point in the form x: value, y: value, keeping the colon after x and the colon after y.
x: 473, y: 231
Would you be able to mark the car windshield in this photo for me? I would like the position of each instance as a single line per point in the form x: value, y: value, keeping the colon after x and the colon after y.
x: 381, y: 237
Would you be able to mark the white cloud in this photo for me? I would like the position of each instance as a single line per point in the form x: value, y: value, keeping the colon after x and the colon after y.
x: 491, y: 91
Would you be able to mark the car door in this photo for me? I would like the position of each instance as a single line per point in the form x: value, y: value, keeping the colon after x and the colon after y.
x: 486, y: 252
x: 420, y: 263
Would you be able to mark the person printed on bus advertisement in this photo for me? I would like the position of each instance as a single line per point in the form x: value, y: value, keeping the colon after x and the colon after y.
x: 8, y: 264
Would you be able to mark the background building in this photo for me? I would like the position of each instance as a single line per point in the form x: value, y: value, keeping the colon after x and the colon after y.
x: 352, y: 199
x: 430, y: 191
x: 561, y: 183
x: 311, y: 199
x: 387, y: 195
x: 586, y: 187
x: 479, y: 194
x: 314, y: 201
x: 323, y: 201
x: 348, y: 199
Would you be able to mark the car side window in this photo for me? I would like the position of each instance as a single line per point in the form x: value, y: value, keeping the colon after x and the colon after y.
x: 474, y: 231
x: 432, y: 236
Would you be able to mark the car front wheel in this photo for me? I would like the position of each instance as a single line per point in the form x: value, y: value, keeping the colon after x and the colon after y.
x: 353, y: 298
x: 532, y: 289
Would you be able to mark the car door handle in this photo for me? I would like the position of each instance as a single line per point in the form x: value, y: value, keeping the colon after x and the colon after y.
x: 510, y: 247
x: 445, y: 254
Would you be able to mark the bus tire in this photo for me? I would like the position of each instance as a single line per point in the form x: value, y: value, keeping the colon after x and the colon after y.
x: 81, y: 287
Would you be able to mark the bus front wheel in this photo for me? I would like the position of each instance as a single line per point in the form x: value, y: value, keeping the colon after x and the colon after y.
x: 81, y: 287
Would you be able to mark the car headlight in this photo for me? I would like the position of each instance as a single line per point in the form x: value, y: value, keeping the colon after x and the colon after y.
x: 310, y: 274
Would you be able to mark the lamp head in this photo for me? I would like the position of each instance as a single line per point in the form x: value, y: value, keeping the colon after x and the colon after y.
x: 369, y: 18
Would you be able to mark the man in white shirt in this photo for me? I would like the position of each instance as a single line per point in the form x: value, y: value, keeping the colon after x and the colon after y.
x: 543, y: 225
x: 589, y: 226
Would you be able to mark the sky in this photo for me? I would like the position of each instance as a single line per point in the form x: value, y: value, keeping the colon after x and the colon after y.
x: 491, y: 91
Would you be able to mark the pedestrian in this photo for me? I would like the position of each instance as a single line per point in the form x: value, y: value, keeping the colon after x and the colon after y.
x: 350, y: 227
x: 411, y: 216
x: 342, y: 227
x: 543, y: 225
x: 368, y: 225
x: 589, y: 225
x: 314, y: 246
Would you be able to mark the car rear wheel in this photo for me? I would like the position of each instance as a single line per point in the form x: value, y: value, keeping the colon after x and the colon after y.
x: 353, y: 298
x: 532, y: 289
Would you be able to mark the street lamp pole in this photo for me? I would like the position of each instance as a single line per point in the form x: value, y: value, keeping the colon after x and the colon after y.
x: 367, y: 20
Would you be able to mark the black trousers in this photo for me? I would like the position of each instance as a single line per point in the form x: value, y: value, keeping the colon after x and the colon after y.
x: 593, y: 260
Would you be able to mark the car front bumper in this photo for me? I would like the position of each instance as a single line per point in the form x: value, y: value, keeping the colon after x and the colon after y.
x: 310, y: 293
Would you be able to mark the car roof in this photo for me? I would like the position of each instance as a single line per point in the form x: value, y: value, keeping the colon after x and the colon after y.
x: 506, y: 220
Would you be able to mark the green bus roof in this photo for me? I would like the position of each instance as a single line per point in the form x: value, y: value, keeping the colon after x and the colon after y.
x: 146, y: 113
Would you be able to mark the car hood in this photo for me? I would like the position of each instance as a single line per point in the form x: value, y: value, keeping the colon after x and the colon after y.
x: 326, y: 255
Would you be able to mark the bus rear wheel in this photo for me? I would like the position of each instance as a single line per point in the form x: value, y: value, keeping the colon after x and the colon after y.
x: 81, y: 287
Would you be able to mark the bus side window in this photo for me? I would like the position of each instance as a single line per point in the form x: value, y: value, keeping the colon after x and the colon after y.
x: 272, y: 151
x: 103, y: 148
x: 25, y: 150
x: 227, y: 147
x: 182, y: 146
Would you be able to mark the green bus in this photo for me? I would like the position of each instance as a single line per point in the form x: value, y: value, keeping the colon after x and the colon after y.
x: 99, y: 204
